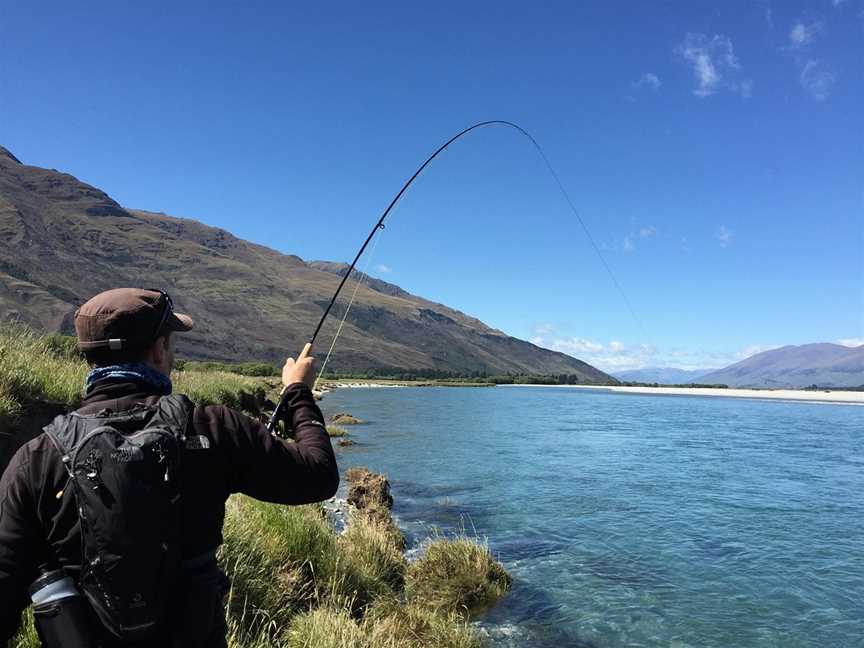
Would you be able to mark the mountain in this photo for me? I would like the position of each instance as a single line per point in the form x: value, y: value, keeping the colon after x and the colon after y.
x: 823, y: 364
x: 64, y: 240
x: 378, y: 285
x: 662, y: 375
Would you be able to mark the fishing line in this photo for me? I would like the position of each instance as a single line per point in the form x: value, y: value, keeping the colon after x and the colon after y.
x: 380, y: 225
x: 364, y: 275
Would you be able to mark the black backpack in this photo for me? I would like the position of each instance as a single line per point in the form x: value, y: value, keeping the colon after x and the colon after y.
x: 124, y: 471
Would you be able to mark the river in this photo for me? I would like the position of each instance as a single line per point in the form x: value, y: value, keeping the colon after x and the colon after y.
x: 634, y: 520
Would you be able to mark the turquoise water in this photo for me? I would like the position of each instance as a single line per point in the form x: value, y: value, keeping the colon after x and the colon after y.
x: 632, y: 520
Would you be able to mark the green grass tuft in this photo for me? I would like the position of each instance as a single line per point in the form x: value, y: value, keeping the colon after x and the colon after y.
x: 393, y: 624
x: 336, y: 431
x: 26, y: 637
x: 375, y: 556
x: 324, y: 628
x: 31, y: 370
x: 220, y: 388
x: 456, y: 575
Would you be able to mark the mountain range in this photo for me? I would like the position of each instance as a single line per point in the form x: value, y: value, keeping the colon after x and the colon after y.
x: 64, y: 240
x: 823, y: 364
x: 662, y: 375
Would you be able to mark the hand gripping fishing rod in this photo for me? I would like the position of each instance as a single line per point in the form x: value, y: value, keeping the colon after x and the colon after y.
x: 271, y: 426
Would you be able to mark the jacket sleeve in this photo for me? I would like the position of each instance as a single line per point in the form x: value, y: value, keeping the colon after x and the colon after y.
x: 276, y: 470
x: 19, y: 537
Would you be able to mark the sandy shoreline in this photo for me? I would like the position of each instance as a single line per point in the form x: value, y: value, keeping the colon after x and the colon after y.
x: 832, y: 396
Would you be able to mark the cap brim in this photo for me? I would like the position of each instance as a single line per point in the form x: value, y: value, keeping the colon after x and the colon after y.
x: 179, y: 322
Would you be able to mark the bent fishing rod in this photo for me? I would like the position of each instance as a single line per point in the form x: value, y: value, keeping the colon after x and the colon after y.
x: 379, y: 225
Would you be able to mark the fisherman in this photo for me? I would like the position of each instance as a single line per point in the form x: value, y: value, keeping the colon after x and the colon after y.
x: 127, y: 335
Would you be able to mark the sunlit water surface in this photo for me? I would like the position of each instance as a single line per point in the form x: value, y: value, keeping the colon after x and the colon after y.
x: 631, y: 520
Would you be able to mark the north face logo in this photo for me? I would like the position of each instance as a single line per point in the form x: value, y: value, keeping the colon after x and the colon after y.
x: 198, y: 442
x: 127, y: 454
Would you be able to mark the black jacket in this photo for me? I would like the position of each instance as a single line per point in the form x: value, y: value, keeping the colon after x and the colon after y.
x: 243, y: 457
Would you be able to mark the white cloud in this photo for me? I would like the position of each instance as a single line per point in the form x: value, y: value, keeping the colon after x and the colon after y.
x: 619, y: 356
x: 383, y: 269
x: 648, y: 231
x: 628, y: 246
x: 647, y: 80
x: 817, y: 79
x: 802, y: 35
x: 851, y: 342
x: 714, y: 64
x: 724, y: 235
x: 837, y: 3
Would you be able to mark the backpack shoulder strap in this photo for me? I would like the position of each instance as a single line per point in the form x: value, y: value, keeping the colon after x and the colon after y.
x: 174, y: 412
x: 65, y: 432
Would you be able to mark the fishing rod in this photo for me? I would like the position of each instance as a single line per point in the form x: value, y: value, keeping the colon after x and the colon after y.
x: 379, y: 225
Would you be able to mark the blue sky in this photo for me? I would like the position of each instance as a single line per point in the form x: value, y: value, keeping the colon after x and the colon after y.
x: 715, y: 151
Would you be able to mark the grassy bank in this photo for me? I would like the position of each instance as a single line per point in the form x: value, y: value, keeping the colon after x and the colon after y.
x: 295, y: 581
x: 38, y: 370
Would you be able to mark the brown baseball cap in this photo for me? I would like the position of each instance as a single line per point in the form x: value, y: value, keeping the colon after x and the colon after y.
x: 127, y: 318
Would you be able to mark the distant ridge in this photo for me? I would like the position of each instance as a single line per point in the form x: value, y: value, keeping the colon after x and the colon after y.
x: 4, y: 152
x: 64, y: 240
x: 823, y: 364
x: 662, y: 375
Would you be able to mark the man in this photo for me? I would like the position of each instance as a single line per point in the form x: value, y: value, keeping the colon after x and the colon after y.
x: 127, y: 335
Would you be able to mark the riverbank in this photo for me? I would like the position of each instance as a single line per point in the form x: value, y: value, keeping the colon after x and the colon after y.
x: 821, y: 396
x: 297, y: 579
x: 325, y: 386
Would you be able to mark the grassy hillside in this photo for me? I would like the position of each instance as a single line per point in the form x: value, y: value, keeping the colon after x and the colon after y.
x: 67, y: 240
x: 295, y: 581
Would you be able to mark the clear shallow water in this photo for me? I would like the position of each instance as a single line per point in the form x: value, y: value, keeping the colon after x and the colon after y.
x: 631, y: 520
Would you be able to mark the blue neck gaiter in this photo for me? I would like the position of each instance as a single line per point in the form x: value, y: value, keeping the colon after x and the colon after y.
x: 133, y: 372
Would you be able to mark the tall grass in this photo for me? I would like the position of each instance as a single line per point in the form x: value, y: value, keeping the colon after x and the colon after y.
x: 272, y: 556
x: 32, y: 369
x: 36, y: 368
x: 220, y: 388
x: 27, y: 637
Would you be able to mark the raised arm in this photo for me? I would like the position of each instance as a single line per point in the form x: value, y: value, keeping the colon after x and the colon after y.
x: 276, y: 470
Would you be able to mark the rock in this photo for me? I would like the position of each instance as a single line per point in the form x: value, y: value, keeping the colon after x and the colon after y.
x: 336, y: 431
x: 345, y: 442
x: 344, y: 418
x: 369, y: 494
x: 368, y: 490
